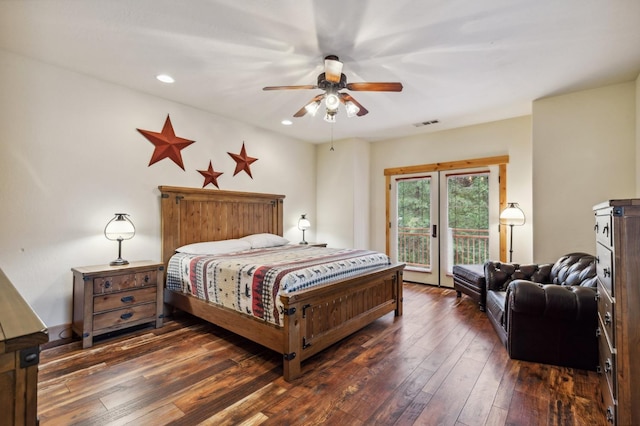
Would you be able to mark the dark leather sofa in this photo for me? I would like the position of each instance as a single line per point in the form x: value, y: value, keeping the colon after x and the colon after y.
x: 546, y: 313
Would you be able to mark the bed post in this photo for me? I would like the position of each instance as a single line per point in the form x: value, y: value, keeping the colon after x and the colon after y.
x: 292, y: 356
x: 398, y: 290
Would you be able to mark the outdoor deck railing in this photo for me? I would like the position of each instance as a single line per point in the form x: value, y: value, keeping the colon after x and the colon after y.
x: 469, y: 246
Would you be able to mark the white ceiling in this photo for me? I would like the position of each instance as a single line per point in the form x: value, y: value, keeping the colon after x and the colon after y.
x: 461, y: 61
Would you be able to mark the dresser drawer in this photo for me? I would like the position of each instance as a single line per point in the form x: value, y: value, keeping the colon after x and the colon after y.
x: 122, y: 282
x: 607, y: 360
x: 604, y: 268
x: 110, y: 301
x: 603, y: 230
x: 609, y: 402
x: 116, y: 319
x: 606, y: 313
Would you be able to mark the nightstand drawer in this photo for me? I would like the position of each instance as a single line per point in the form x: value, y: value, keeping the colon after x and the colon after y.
x: 110, y: 301
x: 122, y: 282
x: 120, y: 317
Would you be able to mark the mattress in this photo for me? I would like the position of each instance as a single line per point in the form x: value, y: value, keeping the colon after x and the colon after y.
x: 251, y: 281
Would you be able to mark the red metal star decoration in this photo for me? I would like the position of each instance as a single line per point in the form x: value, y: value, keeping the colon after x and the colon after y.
x: 243, y: 161
x: 210, y: 176
x: 167, y: 144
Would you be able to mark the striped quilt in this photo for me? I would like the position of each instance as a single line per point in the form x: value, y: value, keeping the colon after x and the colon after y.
x: 251, y: 281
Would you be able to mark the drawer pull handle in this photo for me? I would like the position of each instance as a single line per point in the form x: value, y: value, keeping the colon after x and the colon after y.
x: 605, y: 230
x: 598, y: 332
x: 610, y: 415
x: 107, y: 284
x: 146, y: 278
x: 595, y: 228
x: 127, y: 299
x: 607, y: 366
x: 607, y: 318
x: 606, y: 272
x: 597, y: 296
x: 126, y: 316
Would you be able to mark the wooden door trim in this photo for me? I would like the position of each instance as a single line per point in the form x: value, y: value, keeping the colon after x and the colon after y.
x: 500, y: 160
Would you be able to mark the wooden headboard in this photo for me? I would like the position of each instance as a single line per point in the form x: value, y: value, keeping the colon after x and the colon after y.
x: 192, y: 215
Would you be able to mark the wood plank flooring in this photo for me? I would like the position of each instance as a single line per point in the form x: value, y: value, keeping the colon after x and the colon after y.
x: 439, y: 364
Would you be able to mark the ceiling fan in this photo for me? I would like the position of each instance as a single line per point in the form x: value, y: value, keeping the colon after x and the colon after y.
x: 332, y: 81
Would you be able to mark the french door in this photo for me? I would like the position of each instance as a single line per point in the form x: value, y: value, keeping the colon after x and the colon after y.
x: 444, y: 218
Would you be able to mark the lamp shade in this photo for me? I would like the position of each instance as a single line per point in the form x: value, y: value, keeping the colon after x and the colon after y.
x: 303, y: 223
x: 120, y: 228
x: 332, y: 101
x: 512, y: 215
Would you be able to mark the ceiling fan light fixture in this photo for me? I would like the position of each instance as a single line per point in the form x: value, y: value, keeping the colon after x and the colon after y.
x: 332, y: 101
x: 352, y: 109
x: 312, y: 107
x: 330, y: 116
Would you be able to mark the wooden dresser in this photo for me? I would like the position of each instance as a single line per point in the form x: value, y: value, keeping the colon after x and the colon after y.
x: 109, y: 298
x: 21, y: 334
x: 617, y: 231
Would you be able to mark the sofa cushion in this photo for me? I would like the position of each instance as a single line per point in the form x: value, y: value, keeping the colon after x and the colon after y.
x: 574, y: 269
x: 567, y: 303
x: 499, y: 275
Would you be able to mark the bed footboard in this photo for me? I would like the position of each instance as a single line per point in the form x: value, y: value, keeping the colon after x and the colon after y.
x: 320, y: 317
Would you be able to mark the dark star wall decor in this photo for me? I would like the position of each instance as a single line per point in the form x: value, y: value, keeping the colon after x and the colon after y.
x: 243, y: 161
x: 167, y: 144
x: 210, y: 176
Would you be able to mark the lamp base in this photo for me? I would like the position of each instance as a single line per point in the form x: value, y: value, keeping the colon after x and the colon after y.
x: 119, y: 262
x: 303, y: 242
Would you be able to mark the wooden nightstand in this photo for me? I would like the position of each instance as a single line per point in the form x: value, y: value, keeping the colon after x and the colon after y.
x: 108, y: 298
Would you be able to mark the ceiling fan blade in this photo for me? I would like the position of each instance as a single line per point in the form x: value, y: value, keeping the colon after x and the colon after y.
x: 375, y: 87
x: 308, y: 86
x: 345, y: 97
x: 332, y: 69
x: 302, y: 111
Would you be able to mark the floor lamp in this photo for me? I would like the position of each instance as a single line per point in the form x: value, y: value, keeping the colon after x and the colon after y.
x: 512, y: 216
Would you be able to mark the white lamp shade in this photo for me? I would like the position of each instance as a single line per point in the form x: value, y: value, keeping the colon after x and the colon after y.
x: 512, y: 215
x: 312, y: 107
x: 120, y: 228
x: 303, y: 223
x: 332, y: 101
x: 352, y: 109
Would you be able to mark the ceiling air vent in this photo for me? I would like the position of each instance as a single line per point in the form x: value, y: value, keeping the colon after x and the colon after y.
x: 426, y: 123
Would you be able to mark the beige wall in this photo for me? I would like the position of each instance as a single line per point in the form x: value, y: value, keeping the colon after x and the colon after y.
x: 71, y: 158
x: 342, y: 193
x: 583, y: 153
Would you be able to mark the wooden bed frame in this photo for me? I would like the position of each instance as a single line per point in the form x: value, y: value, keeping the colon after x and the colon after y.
x: 314, y: 318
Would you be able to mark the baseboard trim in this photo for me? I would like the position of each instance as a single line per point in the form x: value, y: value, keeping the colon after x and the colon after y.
x: 58, y: 335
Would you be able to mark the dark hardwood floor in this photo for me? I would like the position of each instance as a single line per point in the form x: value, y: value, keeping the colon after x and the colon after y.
x: 441, y: 363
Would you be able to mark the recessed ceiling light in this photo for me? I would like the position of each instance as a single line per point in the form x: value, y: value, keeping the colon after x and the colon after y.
x: 165, y: 78
x: 287, y: 122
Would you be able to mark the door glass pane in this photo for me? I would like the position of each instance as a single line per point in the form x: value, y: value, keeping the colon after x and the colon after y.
x: 468, y: 219
x: 414, y: 213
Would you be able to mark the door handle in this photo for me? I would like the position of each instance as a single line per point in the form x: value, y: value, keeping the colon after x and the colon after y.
x: 434, y: 231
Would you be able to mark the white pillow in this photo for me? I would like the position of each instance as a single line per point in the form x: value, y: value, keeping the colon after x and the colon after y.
x: 215, y: 247
x: 265, y: 240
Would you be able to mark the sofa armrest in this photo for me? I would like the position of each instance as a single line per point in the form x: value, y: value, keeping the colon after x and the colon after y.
x: 499, y: 275
x: 569, y: 303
